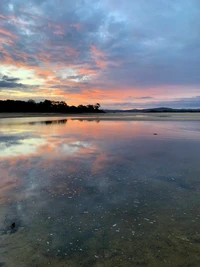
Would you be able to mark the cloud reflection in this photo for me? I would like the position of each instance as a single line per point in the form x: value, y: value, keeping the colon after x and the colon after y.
x: 35, y: 157
x: 21, y: 147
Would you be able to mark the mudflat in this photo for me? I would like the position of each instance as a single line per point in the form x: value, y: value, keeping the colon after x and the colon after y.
x: 161, y: 116
x: 93, y: 192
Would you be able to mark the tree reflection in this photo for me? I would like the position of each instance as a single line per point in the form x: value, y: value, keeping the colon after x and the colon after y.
x: 47, y: 122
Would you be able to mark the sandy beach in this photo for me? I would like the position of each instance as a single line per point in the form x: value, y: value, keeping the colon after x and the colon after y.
x: 113, y: 116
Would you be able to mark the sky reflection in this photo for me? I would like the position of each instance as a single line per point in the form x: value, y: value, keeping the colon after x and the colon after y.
x: 36, y: 150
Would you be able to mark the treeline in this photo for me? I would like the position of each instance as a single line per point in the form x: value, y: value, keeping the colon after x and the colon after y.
x: 46, y: 106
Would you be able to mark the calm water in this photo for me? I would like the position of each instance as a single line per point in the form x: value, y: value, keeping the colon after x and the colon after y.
x: 99, y: 193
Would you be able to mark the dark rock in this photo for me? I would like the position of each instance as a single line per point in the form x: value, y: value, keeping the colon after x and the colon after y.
x: 12, y: 225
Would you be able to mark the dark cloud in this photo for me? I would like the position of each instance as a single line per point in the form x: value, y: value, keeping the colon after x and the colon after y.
x: 144, y: 97
x: 10, y: 82
x: 10, y: 79
x: 5, y: 84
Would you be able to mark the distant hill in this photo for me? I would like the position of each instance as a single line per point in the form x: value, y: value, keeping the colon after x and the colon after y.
x: 159, y: 109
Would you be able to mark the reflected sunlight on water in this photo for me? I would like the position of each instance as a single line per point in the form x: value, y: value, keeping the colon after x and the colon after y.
x: 99, y: 193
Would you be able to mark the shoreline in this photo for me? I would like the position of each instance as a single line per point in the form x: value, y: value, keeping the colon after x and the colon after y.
x: 161, y: 116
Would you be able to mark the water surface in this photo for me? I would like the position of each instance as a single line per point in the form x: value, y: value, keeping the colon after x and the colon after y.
x: 99, y: 193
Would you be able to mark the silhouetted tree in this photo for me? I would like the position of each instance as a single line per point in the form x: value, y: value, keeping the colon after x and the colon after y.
x: 97, y: 106
x: 45, y: 106
x: 90, y: 108
x: 31, y: 101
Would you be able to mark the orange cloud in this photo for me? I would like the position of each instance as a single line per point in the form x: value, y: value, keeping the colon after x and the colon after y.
x: 95, y: 51
x: 43, y: 73
x: 86, y: 70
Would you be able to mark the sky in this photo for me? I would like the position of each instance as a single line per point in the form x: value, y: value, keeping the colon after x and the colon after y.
x: 121, y: 54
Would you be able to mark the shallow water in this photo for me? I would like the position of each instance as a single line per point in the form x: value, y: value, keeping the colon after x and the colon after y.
x: 99, y: 193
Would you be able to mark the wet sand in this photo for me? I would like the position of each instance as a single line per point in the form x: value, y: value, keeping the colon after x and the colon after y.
x: 111, y: 193
x: 161, y: 116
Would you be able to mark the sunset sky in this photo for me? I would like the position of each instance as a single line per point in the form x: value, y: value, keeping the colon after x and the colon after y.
x: 122, y: 54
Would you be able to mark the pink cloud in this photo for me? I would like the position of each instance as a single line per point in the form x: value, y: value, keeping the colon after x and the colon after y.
x: 99, y: 57
x: 2, y: 16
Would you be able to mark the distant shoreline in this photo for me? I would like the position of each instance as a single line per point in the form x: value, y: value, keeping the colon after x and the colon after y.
x: 160, y: 116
